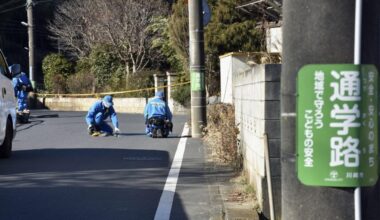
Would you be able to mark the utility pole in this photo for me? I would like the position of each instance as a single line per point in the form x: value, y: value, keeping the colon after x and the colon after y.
x: 197, y: 68
x: 371, y: 54
x: 321, y: 32
x: 29, y: 9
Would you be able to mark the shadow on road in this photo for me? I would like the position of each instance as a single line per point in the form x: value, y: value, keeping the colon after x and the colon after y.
x: 84, y: 184
x: 32, y: 123
x: 132, y: 134
x: 67, y: 160
x: 45, y: 116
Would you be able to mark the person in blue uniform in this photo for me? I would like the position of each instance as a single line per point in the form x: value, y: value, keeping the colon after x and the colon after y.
x: 97, y: 115
x: 22, y: 86
x: 157, y: 108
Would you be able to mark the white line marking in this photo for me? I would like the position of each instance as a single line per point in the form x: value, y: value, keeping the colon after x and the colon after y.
x: 166, y: 201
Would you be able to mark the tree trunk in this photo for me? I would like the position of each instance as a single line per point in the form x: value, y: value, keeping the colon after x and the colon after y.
x: 126, y: 75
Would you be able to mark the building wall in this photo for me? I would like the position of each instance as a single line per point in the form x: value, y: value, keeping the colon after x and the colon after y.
x: 256, y: 97
x: 230, y: 64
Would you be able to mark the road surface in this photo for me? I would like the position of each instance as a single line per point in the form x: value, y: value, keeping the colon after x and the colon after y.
x: 57, y: 171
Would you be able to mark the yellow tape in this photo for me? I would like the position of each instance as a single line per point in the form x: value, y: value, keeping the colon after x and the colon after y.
x: 109, y: 93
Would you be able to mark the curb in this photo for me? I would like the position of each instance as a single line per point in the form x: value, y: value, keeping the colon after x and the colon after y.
x: 236, y: 210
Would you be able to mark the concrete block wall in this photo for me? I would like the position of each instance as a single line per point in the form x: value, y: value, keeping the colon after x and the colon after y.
x: 257, y: 112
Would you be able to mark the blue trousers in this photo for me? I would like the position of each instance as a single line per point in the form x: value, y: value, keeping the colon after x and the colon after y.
x: 22, y: 103
x: 101, y: 124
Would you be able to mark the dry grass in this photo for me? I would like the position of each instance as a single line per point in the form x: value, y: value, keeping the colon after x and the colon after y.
x: 221, y: 133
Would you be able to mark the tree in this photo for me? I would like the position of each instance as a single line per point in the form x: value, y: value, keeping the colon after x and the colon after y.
x: 179, y: 33
x: 56, y: 70
x: 81, y: 25
x: 229, y: 30
x: 104, y: 65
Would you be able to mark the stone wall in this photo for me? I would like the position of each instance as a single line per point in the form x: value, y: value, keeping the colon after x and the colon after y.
x: 122, y: 105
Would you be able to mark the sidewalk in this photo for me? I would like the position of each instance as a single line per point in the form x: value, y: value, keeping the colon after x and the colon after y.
x: 228, y: 195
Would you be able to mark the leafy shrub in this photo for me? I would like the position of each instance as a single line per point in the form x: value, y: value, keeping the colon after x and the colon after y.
x: 81, y: 83
x: 56, y: 68
x: 117, y: 80
x: 104, y: 63
x: 59, y: 83
x: 141, y: 80
x: 182, y: 95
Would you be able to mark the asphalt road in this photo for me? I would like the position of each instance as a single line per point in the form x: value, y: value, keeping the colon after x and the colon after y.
x: 57, y: 171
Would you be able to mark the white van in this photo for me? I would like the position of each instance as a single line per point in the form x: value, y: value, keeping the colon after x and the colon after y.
x: 7, y: 109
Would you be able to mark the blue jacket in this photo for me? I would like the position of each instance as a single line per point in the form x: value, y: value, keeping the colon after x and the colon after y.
x: 156, y: 107
x: 19, y: 81
x: 97, y: 108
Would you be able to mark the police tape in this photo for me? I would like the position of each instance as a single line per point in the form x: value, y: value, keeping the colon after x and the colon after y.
x: 107, y: 93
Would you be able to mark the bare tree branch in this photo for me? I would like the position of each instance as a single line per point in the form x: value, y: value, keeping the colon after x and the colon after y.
x: 80, y: 25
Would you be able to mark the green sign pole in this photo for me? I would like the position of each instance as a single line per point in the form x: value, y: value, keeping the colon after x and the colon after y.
x: 337, y: 141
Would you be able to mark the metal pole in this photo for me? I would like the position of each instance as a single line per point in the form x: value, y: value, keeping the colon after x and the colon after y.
x: 197, y: 68
x: 269, y: 177
x: 29, y: 7
x: 357, y: 51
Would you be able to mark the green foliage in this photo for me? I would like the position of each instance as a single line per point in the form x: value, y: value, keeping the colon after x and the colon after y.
x: 229, y: 30
x: 81, y: 82
x: 56, y: 68
x: 141, y: 80
x: 105, y: 66
x: 161, y: 42
x: 182, y: 95
x: 179, y: 34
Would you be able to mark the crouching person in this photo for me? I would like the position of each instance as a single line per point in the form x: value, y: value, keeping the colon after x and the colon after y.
x: 97, y: 115
x: 158, y: 117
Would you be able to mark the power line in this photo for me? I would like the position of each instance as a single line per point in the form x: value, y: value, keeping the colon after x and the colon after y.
x: 44, y: 1
x: 41, y: 32
x: 9, y: 3
x: 12, y: 9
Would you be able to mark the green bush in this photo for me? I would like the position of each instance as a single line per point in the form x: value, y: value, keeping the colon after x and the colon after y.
x: 104, y: 63
x: 181, y: 94
x: 141, y: 80
x: 117, y: 80
x: 56, y: 68
x: 81, y: 83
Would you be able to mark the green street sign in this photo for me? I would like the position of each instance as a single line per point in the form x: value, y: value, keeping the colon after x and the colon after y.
x: 197, y: 81
x: 337, y: 107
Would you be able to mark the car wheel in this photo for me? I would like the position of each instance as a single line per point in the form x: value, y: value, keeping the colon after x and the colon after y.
x: 6, y: 147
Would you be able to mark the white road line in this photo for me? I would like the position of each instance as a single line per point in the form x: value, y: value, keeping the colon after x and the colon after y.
x: 166, y: 201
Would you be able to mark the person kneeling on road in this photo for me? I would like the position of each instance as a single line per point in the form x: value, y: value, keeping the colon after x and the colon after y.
x: 157, y: 108
x: 97, y: 115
